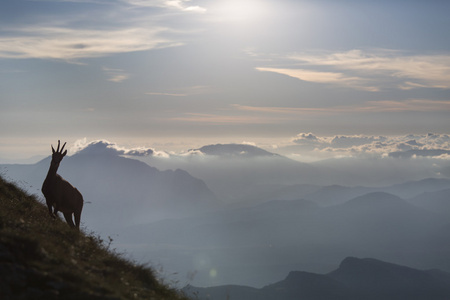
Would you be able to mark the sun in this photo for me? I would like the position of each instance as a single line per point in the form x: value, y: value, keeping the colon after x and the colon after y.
x: 244, y: 11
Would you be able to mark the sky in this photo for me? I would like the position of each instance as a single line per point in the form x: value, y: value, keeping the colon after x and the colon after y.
x: 180, y: 74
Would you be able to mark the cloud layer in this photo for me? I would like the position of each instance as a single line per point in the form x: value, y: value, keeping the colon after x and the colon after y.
x: 413, y: 145
x: 305, y: 145
x: 367, y: 70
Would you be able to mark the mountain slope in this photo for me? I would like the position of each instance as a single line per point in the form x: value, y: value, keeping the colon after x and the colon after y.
x: 42, y: 258
x: 382, y: 280
x: 438, y: 201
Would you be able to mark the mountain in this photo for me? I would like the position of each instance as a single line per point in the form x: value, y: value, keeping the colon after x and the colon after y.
x: 239, y: 172
x: 438, y: 201
x: 236, y: 150
x: 362, y: 279
x: 337, y: 194
x: 257, y: 244
x: 120, y: 191
x: 374, y: 279
x: 411, y: 189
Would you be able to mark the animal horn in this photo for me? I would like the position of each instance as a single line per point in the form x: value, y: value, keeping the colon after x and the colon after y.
x: 57, y: 149
x: 53, y: 150
x: 63, y: 147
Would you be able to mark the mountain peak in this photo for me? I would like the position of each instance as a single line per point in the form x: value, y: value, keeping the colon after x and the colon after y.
x: 107, y: 148
x: 235, y: 150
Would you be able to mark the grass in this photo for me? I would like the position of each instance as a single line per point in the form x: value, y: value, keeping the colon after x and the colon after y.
x: 77, y: 260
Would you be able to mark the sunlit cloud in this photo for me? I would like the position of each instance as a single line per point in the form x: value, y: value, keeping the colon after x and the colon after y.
x: 182, y: 5
x: 117, y: 29
x: 106, y: 147
x: 369, y: 70
x: 71, y: 44
x: 322, y: 77
x: 408, y: 146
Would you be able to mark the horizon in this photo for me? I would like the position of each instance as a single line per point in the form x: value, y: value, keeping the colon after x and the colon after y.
x: 175, y: 75
x: 304, y: 147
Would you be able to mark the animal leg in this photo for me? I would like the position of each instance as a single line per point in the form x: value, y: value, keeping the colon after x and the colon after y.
x: 68, y: 217
x: 50, y: 211
x: 77, y: 216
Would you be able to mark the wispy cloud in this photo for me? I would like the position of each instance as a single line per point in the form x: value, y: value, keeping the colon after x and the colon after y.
x: 82, y: 33
x: 182, y: 5
x: 323, y: 77
x: 217, y: 119
x: 245, y: 114
x: 368, y: 70
x: 116, y: 75
x: 71, y: 44
x: 369, y: 106
x: 183, y: 92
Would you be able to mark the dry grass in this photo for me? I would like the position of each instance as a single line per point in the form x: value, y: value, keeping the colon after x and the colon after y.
x: 82, y: 260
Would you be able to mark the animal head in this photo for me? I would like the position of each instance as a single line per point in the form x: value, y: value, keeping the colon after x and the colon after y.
x: 58, y: 155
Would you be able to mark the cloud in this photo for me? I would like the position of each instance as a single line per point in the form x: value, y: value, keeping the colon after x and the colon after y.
x: 82, y: 146
x: 245, y: 114
x: 418, y: 105
x: 322, y: 77
x: 174, y: 4
x: 183, y: 92
x: 222, y: 119
x: 96, y: 29
x: 116, y: 75
x: 428, y: 145
x: 368, y: 70
x: 72, y: 44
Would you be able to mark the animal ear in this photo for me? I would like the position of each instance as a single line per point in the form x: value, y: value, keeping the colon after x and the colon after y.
x: 64, y: 154
x: 53, y: 150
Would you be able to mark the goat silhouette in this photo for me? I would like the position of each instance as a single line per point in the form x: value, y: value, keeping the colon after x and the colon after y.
x: 59, y: 194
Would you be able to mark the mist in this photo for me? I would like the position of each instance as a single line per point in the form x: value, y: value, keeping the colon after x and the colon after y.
x: 239, y: 214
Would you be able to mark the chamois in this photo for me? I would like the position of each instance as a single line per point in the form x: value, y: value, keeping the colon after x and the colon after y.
x: 59, y: 194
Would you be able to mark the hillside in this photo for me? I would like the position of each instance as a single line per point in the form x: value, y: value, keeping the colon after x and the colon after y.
x: 42, y: 258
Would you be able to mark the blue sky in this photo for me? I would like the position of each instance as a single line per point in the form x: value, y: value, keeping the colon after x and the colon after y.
x: 180, y: 74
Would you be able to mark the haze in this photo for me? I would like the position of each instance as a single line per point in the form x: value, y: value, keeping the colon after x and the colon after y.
x: 232, y: 142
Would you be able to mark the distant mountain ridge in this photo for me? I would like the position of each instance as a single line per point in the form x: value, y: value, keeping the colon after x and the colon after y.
x: 355, y: 279
x: 279, y: 234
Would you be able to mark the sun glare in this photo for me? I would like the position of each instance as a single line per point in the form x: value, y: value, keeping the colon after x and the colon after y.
x: 240, y: 11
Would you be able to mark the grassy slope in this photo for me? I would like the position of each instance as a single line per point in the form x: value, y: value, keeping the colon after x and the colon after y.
x: 42, y: 257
